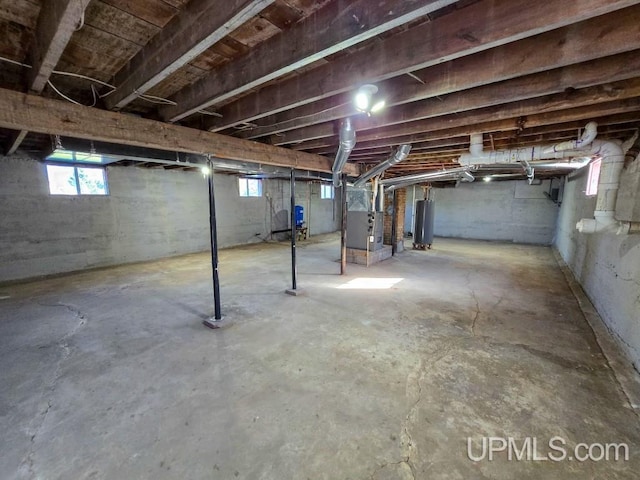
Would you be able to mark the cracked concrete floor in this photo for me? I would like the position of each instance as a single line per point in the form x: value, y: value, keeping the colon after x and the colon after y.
x: 110, y: 374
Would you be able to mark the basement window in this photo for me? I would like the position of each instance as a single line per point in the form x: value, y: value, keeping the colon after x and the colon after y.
x: 73, y: 180
x: 594, y: 177
x: 250, y: 187
x: 326, y: 191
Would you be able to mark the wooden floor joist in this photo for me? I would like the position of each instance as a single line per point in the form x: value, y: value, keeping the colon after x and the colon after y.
x: 478, y: 27
x: 617, y: 32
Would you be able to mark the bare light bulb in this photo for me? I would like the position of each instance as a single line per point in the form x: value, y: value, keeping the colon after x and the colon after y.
x: 378, y: 106
x: 361, y: 101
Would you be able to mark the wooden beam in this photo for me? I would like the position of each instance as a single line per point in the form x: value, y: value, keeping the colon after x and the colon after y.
x: 592, y: 96
x: 200, y: 25
x: 57, y: 21
x: 602, y: 71
x: 15, y: 141
x: 20, y: 111
x: 483, y: 121
x: 336, y: 26
x: 616, y: 32
x: 480, y: 26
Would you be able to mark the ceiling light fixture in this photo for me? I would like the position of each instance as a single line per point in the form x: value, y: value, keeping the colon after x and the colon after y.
x: 366, y: 100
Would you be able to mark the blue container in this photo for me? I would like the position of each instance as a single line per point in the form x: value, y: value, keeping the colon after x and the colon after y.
x: 299, y: 214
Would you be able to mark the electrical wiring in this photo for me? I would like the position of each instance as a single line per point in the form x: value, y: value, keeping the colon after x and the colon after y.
x: 112, y: 88
x: 154, y: 99
x: 62, y: 94
x: 8, y: 60
x: 81, y: 23
x: 70, y: 74
x: 78, y: 75
x: 213, y: 114
x: 95, y: 95
x: 60, y: 72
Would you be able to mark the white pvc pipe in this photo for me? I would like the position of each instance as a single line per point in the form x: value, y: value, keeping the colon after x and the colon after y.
x: 610, y: 171
x: 612, y: 155
x: 588, y: 136
x: 476, y: 145
x: 564, y: 150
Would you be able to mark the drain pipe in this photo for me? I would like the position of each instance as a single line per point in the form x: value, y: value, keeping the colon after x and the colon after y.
x: 476, y: 145
x: 347, y: 143
x: 401, y: 153
x: 528, y: 155
x: 588, y: 136
x: 611, y: 152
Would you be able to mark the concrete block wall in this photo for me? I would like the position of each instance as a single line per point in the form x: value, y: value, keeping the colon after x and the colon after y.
x: 606, y: 265
x: 511, y: 211
x: 148, y: 214
x: 628, y: 201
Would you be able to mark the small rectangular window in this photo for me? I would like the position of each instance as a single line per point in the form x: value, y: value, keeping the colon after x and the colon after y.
x: 326, y: 191
x: 72, y: 180
x: 250, y: 187
x: 594, y: 177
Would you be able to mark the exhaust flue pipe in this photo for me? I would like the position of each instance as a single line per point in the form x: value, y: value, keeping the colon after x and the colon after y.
x: 400, y: 154
x: 347, y: 143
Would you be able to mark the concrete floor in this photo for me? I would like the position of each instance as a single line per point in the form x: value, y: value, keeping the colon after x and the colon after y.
x: 110, y: 374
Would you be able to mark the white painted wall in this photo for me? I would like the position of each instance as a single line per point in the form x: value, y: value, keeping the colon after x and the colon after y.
x: 606, y: 265
x: 148, y: 214
x: 507, y: 211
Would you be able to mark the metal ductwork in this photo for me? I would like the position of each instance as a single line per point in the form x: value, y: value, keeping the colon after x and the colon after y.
x: 347, y: 143
x: 400, y: 154
x: 467, y: 177
x: 449, y: 174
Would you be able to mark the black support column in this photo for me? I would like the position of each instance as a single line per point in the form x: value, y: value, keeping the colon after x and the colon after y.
x: 211, y: 323
x: 294, y: 266
x: 394, y: 220
x: 343, y: 228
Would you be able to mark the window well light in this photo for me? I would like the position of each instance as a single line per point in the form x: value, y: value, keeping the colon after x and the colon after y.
x: 366, y: 100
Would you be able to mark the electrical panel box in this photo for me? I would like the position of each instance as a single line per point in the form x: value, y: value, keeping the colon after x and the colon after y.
x: 364, y: 230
